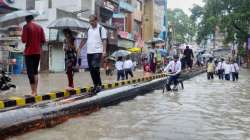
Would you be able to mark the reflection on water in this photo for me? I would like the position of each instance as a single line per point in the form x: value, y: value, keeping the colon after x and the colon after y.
x: 214, y: 110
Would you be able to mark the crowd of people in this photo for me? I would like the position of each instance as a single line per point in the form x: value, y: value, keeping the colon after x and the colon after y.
x: 225, y: 70
x: 124, y: 68
x: 95, y: 42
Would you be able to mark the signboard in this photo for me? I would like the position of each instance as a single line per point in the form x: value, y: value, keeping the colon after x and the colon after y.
x: 84, y: 59
x: 119, y: 23
x: 83, y: 54
x: 124, y: 34
x: 108, y: 5
x: 125, y: 43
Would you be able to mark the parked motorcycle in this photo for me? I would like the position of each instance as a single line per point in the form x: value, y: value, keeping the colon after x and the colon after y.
x: 5, y: 81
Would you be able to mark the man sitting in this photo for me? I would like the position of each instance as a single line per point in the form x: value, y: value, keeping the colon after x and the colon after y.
x: 174, y: 70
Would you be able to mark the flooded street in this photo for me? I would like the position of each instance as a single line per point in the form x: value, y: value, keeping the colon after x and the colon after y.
x: 204, y: 110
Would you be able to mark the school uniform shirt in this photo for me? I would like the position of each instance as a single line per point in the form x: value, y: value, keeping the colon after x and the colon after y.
x: 175, y: 67
x: 227, y: 68
x: 128, y: 64
x: 235, y: 67
x: 220, y: 66
x: 94, y: 39
x: 119, y: 65
x: 210, y: 67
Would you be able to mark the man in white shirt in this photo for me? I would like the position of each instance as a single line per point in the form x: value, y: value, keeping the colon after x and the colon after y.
x: 96, y: 39
x: 128, y: 66
x: 235, y: 70
x: 174, y: 69
x: 227, y: 68
x: 220, y: 68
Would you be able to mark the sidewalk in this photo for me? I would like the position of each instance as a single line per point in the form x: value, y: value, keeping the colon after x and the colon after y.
x: 55, y: 81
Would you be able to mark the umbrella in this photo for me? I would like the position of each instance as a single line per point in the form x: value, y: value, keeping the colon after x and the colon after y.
x: 135, y: 50
x: 155, y: 40
x: 163, y: 52
x: 111, y: 58
x: 207, y: 55
x: 121, y: 53
x: 68, y: 23
x: 16, y: 17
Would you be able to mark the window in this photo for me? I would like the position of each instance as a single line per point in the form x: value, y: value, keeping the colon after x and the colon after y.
x: 137, y: 26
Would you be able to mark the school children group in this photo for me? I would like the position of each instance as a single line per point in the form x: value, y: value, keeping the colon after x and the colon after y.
x: 223, y: 69
x: 124, y: 68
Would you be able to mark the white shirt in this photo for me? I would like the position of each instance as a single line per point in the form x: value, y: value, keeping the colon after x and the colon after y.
x: 94, y: 40
x: 119, y: 65
x: 221, y: 65
x: 175, y: 67
x: 128, y: 64
x: 227, y: 68
x: 235, y: 67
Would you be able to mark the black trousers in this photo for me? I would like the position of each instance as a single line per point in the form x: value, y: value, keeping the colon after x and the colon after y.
x: 120, y: 75
x: 221, y: 74
x: 210, y: 75
x: 227, y: 77
x: 32, y: 63
x: 128, y: 72
x: 94, y: 62
x: 235, y: 76
x: 172, y: 79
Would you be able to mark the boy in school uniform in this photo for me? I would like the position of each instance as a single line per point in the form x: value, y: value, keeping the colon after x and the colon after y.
x: 235, y: 70
x: 227, y: 68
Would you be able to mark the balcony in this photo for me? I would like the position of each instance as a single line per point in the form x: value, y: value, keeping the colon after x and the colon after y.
x: 126, y: 6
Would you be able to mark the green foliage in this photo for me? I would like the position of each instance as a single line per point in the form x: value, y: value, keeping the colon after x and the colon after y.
x: 231, y: 16
x: 182, y: 25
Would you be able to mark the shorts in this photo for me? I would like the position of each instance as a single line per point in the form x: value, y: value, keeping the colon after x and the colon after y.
x: 32, y: 63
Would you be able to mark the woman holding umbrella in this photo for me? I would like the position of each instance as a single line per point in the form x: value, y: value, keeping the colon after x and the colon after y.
x: 70, y: 56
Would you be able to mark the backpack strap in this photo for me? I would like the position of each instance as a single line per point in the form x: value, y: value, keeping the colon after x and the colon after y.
x: 100, y: 32
x: 86, y: 34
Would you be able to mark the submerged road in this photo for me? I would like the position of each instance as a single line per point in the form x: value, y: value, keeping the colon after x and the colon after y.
x: 204, y: 110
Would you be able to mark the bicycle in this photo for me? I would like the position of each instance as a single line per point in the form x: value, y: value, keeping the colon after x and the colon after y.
x: 180, y: 85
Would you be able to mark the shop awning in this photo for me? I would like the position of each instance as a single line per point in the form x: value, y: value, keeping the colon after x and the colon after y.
x: 135, y: 50
x: 4, y: 8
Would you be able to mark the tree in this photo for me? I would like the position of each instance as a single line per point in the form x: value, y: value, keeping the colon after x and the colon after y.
x: 182, y: 25
x: 231, y: 16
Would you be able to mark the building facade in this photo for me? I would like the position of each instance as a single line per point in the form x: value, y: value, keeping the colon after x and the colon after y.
x: 129, y: 23
x: 154, y: 12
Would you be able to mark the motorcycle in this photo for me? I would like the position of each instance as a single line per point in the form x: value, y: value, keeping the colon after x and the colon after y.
x: 5, y: 82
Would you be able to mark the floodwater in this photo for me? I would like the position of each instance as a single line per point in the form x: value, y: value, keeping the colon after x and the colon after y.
x: 204, y: 110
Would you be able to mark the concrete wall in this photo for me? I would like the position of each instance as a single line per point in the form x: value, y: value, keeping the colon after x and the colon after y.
x: 88, y: 4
